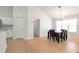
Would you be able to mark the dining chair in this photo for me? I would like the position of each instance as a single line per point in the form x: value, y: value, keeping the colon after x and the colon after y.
x: 63, y: 35
x: 51, y: 35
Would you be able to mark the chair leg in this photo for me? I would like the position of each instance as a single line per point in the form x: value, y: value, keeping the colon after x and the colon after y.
x: 64, y: 38
x: 50, y: 37
x: 57, y: 38
x: 61, y: 39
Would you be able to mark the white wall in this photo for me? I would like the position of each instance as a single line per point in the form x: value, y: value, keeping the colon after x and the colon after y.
x: 29, y: 24
x: 53, y: 23
x: 5, y: 11
x: 45, y: 21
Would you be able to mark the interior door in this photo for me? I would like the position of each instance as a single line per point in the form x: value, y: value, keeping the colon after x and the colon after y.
x: 37, y: 28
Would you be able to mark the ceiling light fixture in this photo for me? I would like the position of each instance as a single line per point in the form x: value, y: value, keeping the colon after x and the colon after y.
x: 60, y: 12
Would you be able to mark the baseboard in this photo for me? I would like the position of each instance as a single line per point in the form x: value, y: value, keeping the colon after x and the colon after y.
x: 19, y: 38
x: 29, y: 38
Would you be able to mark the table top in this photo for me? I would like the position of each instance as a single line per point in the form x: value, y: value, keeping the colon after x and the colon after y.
x: 58, y: 31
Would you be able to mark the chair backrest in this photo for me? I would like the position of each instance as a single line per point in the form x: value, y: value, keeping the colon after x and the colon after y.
x: 52, y: 32
x: 63, y: 32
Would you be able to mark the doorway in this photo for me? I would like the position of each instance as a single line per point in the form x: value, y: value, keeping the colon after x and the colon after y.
x: 37, y: 28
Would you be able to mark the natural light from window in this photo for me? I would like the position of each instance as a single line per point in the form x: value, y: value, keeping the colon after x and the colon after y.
x: 68, y: 24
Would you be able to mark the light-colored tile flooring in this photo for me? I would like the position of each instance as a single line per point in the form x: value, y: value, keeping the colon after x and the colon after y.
x: 42, y: 45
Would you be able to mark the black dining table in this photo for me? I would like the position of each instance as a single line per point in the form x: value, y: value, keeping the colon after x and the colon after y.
x: 56, y: 35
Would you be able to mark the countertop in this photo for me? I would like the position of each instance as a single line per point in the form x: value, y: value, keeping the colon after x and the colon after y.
x: 6, y: 27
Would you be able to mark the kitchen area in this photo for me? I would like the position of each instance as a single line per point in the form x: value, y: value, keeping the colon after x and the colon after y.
x: 6, y: 29
x: 6, y: 26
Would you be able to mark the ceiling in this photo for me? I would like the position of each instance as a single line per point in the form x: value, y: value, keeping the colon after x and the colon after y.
x: 53, y: 11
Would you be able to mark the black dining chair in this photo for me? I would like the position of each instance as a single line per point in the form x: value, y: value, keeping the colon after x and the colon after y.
x: 58, y: 37
x: 63, y: 35
x: 66, y: 34
x: 51, y: 35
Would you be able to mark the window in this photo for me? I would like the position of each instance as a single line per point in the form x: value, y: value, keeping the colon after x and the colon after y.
x: 64, y: 24
x: 70, y: 25
x: 58, y: 25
